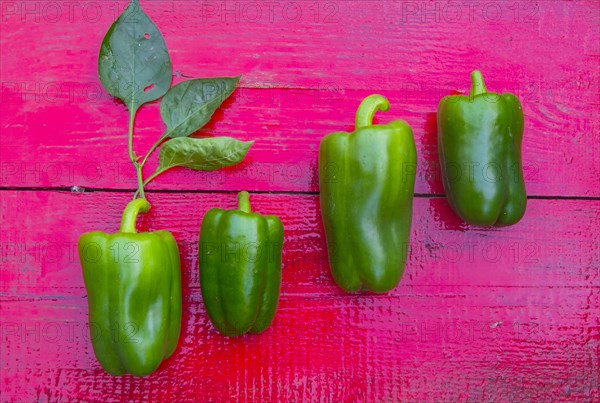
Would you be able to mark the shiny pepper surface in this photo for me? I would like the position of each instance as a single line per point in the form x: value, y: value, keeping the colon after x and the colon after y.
x: 133, y: 281
x: 479, y: 141
x: 240, y: 268
x: 366, y: 191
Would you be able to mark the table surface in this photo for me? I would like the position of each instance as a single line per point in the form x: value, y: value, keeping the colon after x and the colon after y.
x: 492, y: 314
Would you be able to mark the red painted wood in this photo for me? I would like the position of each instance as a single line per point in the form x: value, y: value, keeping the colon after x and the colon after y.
x: 481, y: 315
x: 302, y: 85
x: 555, y: 243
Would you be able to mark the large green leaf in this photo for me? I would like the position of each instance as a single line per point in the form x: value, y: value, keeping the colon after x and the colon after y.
x: 189, y: 105
x: 204, y: 154
x: 134, y: 64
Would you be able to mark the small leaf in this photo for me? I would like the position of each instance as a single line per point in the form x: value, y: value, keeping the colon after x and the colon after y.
x: 189, y: 105
x: 134, y: 64
x: 205, y: 154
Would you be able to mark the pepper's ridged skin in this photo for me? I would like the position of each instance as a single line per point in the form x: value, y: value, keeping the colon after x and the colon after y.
x: 366, y: 192
x: 240, y: 268
x: 134, y: 295
x: 479, y: 141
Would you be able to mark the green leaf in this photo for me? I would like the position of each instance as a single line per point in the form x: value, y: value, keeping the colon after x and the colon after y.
x: 134, y: 64
x: 189, y: 105
x: 205, y: 154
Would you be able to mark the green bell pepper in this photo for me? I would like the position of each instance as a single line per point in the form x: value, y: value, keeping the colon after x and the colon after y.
x: 240, y: 274
x: 133, y: 281
x: 367, y: 182
x: 479, y: 141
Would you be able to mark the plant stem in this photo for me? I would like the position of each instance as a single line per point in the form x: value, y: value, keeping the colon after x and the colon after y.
x: 244, y: 201
x: 368, y: 107
x: 134, y: 159
x: 154, y: 175
x: 140, y: 190
x: 139, y: 167
x: 154, y: 146
x: 477, y: 86
x: 130, y: 214
x: 147, y: 181
x: 130, y: 137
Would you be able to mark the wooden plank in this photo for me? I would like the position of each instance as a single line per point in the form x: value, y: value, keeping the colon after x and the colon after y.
x: 497, y: 345
x: 555, y: 243
x: 415, y: 347
x: 299, y: 87
x: 500, y: 320
x: 374, y: 46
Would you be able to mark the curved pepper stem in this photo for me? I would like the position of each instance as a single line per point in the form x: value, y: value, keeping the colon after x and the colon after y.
x: 368, y: 107
x: 244, y: 202
x: 130, y: 214
x: 477, y: 86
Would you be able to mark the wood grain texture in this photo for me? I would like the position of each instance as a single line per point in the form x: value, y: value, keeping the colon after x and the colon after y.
x: 494, y: 315
x: 303, y: 77
x: 555, y: 243
x: 481, y: 314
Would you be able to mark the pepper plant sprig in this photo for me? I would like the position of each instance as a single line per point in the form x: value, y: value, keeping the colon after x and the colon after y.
x: 134, y: 65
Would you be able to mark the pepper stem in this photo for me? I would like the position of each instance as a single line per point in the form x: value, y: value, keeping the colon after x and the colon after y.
x: 244, y: 201
x: 368, y: 107
x: 130, y: 214
x: 478, y: 86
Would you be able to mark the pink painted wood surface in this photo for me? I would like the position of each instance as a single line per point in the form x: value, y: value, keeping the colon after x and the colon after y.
x: 504, y: 315
x: 481, y: 314
x: 545, y: 249
x: 302, y: 80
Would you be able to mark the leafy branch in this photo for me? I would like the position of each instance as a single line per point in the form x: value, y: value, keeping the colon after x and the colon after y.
x: 134, y: 65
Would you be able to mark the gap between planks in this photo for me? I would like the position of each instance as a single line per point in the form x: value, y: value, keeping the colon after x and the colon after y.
x: 275, y: 192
